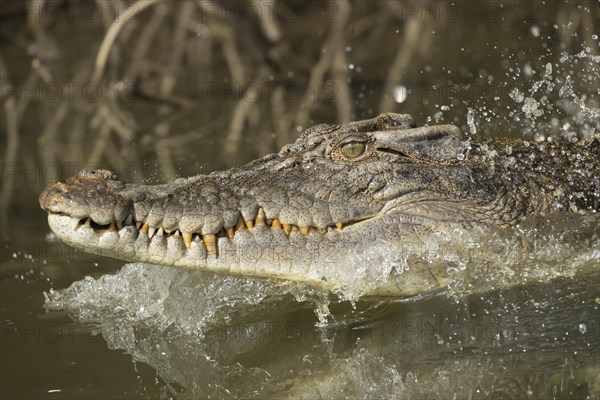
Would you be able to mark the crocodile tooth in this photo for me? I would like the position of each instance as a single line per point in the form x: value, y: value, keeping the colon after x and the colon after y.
x: 79, y: 224
x: 119, y: 224
x: 276, y: 224
x: 230, y: 233
x: 187, y: 239
x: 260, y: 217
x: 111, y: 227
x: 160, y: 231
x: 339, y: 226
x: 210, y: 241
x: 305, y: 230
x: 287, y: 228
x: 88, y: 222
x: 144, y: 227
x: 240, y: 224
x: 151, y: 232
x: 138, y: 224
x: 129, y: 219
x: 322, y: 231
x: 249, y: 223
x: 294, y: 228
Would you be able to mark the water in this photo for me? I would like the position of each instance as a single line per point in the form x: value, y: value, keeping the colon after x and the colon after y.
x: 523, y: 320
x: 530, y: 321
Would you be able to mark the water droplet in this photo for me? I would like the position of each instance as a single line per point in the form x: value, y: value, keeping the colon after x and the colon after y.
x: 582, y: 328
x: 535, y: 31
x: 400, y: 93
x: 471, y: 121
x: 529, y: 391
x: 517, y: 95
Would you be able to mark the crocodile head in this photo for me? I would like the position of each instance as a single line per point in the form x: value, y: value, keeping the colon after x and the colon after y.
x: 298, y: 214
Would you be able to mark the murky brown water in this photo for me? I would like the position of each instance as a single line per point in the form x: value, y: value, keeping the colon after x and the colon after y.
x: 512, y: 68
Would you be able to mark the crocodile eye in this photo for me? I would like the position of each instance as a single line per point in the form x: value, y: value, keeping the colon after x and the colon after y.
x: 353, y: 149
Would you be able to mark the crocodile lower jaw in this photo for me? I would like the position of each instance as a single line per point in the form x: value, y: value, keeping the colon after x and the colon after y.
x: 137, y: 241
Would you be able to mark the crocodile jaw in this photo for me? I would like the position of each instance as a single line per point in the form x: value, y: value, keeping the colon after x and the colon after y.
x: 320, y: 260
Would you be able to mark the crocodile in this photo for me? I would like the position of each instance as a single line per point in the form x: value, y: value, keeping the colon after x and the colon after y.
x: 341, y: 199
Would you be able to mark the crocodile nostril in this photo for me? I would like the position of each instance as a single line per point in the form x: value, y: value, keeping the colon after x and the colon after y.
x: 97, y: 174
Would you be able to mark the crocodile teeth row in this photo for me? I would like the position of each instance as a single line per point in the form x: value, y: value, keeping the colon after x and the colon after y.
x: 210, y: 240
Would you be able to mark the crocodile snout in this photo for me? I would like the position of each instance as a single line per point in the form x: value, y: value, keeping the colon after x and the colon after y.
x: 52, y: 197
x: 92, y: 193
